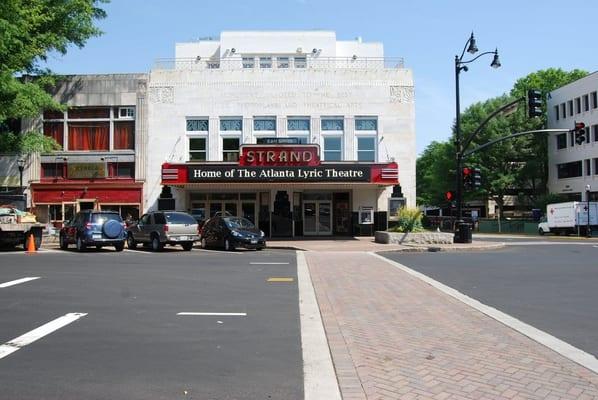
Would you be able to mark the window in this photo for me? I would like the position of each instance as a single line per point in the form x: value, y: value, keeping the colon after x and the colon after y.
x: 264, y: 124
x: 570, y: 107
x: 586, y: 103
x: 595, y: 166
x: 563, y: 113
x: 265, y: 62
x: 366, y: 124
x: 561, y: 141
x: 595, y: 132
x: 248, y: 62
x: 366, y: 148
x: 571, y: 139
x: 594, y: 96
x: 556, y: 112
x: 53, y: 114
x: 55, y: 212
x: 197, y: 149
x: 52, y: 170
x: 283, y: 62
x: 298, y: 124
x: 577, y: 105
x: 569, y: 170
x: 124, y: 135
x: 588, y: 167
x: 89, y: 135
x: 126, y: 113
x: 88, y: 113
x: 194, y: 125
x: 231, y: 124
x: 300, y: 62
x: 230, y: 149
x: 55, y: 130
x: 332, y: 124
x: 333, y: 148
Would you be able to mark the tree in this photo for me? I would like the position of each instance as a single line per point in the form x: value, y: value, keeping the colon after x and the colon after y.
x: 517, y: 167
x: 435, y: 173
x: 29, y: 30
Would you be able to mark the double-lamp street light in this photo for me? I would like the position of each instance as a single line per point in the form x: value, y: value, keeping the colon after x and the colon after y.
x: 461, y: 65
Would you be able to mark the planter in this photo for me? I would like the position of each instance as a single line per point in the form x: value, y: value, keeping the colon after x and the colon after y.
x: 413, y: 238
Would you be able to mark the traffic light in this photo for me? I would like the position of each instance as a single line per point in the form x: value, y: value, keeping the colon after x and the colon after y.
x: 468, y: 178
x: 449, y: 196
x: 477, y: 178
x: 580, y: 132
x: 534, y: 103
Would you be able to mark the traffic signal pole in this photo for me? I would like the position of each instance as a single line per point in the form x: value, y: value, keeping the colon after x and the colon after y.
x: 458, y: 144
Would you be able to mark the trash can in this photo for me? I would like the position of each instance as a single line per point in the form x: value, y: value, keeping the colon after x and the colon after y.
x: 462, y: 233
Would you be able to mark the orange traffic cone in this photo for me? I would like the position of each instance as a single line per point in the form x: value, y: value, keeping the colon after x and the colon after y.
x: 31, y: 245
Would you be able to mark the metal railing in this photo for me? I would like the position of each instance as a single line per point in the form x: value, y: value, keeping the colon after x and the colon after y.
x: 287, y: 63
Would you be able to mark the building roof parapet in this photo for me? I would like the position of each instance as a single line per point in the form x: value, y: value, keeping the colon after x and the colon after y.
x: 299, y: 62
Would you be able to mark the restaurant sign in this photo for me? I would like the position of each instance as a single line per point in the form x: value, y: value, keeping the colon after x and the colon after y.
x: 241, y: 174
x: 86, y: 170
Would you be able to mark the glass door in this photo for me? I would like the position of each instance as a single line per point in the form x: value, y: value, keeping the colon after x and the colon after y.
x: 310, y: 226
x: 324, y: 218
x: 317, y: 217
x: 248, y: 211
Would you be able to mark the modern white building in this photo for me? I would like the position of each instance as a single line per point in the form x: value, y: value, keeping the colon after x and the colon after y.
x: 573, y: 166
x: 299, y: 131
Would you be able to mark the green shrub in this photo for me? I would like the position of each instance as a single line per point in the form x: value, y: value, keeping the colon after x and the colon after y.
x: 409, y: 220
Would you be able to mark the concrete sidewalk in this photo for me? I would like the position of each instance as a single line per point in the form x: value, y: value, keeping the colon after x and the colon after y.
x: 393, y: 336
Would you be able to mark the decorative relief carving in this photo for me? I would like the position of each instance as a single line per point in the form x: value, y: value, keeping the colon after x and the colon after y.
x: 401, y: 94
x: 141, y: 86
x: 161, y: 94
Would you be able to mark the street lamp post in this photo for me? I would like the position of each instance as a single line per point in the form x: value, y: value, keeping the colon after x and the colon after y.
x: 460, y: 65
x: 588, y: 188
x: 21, y: 165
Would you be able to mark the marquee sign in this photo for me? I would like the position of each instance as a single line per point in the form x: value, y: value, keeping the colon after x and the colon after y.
x: 280, y: 164
x: 277, y: 155
x: 322, y: 173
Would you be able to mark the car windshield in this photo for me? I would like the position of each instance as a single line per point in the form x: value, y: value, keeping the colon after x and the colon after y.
x: 238, y: 223
x: 179, y: 218
x: 100, y: 218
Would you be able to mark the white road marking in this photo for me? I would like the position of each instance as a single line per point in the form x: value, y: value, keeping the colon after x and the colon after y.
x: 16, y: 282
x: 563, y: 348
x: 31, y: 336
x: 319, y: 378
x: 269, y: 263
x: 232, y: 314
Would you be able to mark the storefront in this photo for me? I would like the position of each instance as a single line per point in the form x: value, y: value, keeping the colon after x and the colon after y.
x: 78, y: 186
x: 287, y: 191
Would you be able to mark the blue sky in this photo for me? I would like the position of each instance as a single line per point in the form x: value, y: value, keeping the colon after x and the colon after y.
x: 530, y: 35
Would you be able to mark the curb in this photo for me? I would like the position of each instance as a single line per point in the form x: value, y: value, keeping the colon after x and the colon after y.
x: 431, y: 248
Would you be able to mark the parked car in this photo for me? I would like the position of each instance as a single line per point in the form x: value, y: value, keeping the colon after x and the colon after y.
x: 94, y: 228
x: 231, y: 232
x: 160, y: 228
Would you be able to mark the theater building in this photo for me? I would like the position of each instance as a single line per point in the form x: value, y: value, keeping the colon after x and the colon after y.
x: 299, y: 132
x: 101, y: 163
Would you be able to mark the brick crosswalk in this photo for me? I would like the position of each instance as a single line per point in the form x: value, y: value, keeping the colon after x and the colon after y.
x: 393, y: 336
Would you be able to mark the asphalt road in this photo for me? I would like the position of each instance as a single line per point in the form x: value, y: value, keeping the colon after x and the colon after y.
x: 553, y: 287
x: 133, y: 345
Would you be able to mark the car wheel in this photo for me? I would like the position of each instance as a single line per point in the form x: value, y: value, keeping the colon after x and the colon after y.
x: 204, y: 243
x: 187, y: 246
x: 64, y: 245
x: 119, y: 246
x: 156, y: 245
x: 80, y: 245
x: 131, y: 243
x: 228, y: 246
x: 541, y: 232
x: 260, y: 249
x: 98, y: 247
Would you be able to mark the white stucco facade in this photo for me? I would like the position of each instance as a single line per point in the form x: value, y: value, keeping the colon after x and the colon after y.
x: 572, y: 166
x: 282, y: 76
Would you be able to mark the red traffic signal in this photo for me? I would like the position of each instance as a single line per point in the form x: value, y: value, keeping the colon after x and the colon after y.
x: 467, y: 171
x: 449, y: 196
x: 580, y: 133
x: 579, y: 126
